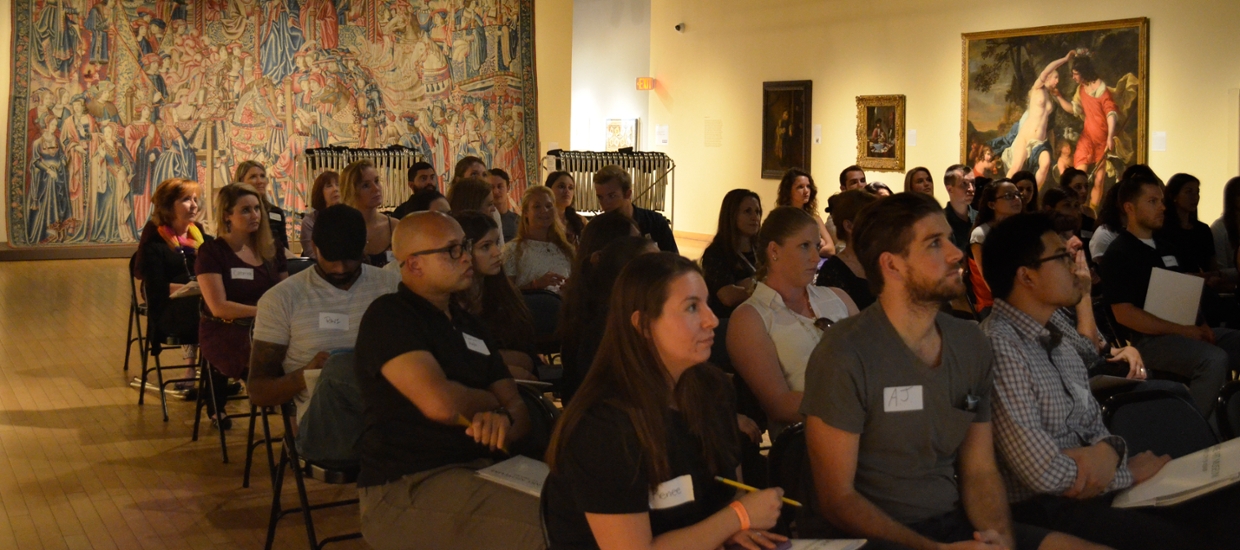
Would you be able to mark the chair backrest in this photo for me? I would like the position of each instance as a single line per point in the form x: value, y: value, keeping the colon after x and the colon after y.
x: 1158, y: 421
x: 297, y: 265
x: 1229, y: 411
x: 543, y: 416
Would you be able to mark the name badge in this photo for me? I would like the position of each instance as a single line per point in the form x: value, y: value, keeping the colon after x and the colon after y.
x: 243, y: 273
x: 475, y: 344
x: 390, y: 256
x: 1087, y: 234
x: 672, y: 493
x: 1170, y: 261
x: 333, y: 321
x: 902, y: 399
x: 275, y: 216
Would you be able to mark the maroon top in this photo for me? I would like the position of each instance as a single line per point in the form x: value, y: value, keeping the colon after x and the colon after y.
x: 227, y: 345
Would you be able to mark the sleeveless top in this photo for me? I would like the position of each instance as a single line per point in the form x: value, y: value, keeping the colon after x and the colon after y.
x: 795, y: 335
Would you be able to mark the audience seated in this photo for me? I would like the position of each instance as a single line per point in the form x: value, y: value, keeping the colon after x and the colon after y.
x: 422, y: 177
x: 1191, y: 239
x: 168, y: 247
x: 1063, y: 206
x: 470, y: 167
x: 1197, y: 352
x: 360, y: 188
x: 1000, y: 200
x: 614, y: 189
x: 961, y: 216
x: 797, y: 190
x: 540, y: 258
x: 565, y: 189
x: 499, y: 181
x: 326, y: 192
x: 851, y: 178
x: 1027, y: 184
x: 897, y: 399
x: 771, y: 335
x: 1226, y: 230
x: 428, y: 199
x: 651, y: 425
x: 313, y: 314
x: 254, y: 173
x: 728, y: 263
x: 472, y: 194
x: 878, y: 189
x: 918, y: 180
x: 1078, y: 182
x: 424, y: 363
x: 1111, y: 221
x: 234, y: 270
x: 844, y: 270
x: 1060, y: 463
x: 494, y: 299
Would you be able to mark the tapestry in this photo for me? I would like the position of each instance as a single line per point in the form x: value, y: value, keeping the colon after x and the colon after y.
x: 111, y: 97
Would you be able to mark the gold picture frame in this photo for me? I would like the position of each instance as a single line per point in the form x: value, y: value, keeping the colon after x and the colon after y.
x: 880, y: 132
x: 1011, y: 77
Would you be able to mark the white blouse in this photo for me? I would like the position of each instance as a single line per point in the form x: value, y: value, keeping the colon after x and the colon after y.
x: 537, y: 259
x: 795, y: 335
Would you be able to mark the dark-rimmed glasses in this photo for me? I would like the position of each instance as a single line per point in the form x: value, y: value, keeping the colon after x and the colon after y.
x: 454, y: 251
x: 1061, y: 256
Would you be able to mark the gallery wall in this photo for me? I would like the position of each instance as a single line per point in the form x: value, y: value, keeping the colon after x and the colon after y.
x: 715, y: 69
x: 553, y: 51
x: 611, y: 49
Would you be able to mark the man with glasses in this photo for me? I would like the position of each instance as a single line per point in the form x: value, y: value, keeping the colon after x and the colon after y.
x: 1060, y: 463
x: 305, y: 318
x: 960, y: 212
x: 439, y: 405
x: 614, y: 189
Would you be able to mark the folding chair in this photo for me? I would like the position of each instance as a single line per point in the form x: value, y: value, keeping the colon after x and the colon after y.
x: 149, y: 352
x: 303, y: 469
x: 1228, y: 412
x: 251, y: 445
x: 1158, y: 421
x: 543, y: 416
x: 137, y: 311
x: 297, y: 265
x: 790, y: 470
x: 207, y: 390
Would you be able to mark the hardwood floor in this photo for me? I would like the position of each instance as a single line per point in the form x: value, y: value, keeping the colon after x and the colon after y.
x: 83, y: 466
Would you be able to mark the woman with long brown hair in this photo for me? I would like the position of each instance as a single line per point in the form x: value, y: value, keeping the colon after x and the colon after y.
x: 729, y: 263
x: 360, y: 188
x: 651, y: 424
x: 797, y: 189
x: 254, y: 174
x: 326, y: 192
x: 565, y: 189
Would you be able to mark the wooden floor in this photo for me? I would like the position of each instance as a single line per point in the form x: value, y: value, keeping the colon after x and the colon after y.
x: 83, y: 466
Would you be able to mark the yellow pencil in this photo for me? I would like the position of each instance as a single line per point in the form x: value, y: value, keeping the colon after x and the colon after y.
x: 465, y: 423
x: 744, y: 487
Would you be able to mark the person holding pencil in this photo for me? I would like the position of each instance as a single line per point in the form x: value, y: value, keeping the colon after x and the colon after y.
x: 635, y: 457
x: 439, y: 405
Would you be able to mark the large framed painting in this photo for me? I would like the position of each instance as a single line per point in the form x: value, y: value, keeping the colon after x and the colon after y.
x: 880, y: 132
x: 1048, y: 99
x: 786, y: 112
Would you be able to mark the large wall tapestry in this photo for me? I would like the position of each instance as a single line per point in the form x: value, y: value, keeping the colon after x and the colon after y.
x: 110, y: 97
x: 1051, y: 98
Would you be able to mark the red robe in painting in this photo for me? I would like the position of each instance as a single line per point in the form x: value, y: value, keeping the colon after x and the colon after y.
x: 318, y: 17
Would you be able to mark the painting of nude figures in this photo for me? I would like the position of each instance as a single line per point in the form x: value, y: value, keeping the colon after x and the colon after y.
x: 111, y: 97
x: 1047, y: 99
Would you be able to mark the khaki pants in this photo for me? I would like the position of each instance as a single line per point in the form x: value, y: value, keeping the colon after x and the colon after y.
x: 449, y: 508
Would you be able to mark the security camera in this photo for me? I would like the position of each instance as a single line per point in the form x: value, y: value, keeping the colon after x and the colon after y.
x: 680, y: 27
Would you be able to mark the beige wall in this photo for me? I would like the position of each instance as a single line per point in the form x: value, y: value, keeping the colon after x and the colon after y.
x: 553, y: 47
x: 912, y: 47
x: 6, y: 84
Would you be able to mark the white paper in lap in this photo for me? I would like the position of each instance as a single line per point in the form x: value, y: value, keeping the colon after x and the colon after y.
x: 1173, y: 296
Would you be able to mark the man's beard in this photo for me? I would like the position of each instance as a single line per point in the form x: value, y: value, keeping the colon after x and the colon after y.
x: 925, y: 290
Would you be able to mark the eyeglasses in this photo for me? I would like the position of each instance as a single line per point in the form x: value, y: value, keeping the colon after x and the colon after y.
x: 1066, y: 257
x: 454, y: 251
x: 1010, y: 196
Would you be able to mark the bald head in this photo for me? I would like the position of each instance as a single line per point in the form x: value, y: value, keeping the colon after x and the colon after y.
x: 425, y: 230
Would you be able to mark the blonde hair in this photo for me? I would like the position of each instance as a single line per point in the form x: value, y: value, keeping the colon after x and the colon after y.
x: 226, y: 199
x: 555, y: 233
x: 244, y: 168
x: 351, y: 179
x: 165, y: 197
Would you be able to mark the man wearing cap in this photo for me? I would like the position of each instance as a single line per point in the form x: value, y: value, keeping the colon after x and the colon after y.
x: 304, y: 319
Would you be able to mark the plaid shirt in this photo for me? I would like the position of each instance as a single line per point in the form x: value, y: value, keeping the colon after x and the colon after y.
x: 1042, y: 403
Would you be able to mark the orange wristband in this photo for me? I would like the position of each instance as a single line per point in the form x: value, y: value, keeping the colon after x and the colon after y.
x: 741, y: 513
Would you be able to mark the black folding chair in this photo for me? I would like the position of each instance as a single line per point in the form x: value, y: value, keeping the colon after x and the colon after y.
x: 303, y: 469
x: 149, y: 353
x: 1158, y: 421
x: 251, y: 444
x: 543, y: 416
x: 297, y: 265
x: 137, y: 312
x: 1228, y: 412
x: 207, y: 390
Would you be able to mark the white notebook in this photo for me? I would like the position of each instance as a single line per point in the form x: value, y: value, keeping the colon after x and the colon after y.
x: 1187, y: 477
x: 827, y: 544
x: 1173, y: 296
x: 521, y: 473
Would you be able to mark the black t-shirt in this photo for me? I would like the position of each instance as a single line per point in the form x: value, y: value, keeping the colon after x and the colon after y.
x: 655, y: 227
x: 961, y: 228
x: 1126, y: 271
x: 1194, y: 248
x: 722, y: 267
x: 404, y: 209
x: 397, y: 439
x: 834, y: 272
x: 601, y: 472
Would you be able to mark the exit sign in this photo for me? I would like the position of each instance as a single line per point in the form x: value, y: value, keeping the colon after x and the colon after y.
x: 645, y: 83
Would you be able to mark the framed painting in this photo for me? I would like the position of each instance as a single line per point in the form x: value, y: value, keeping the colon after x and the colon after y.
x: 621, y: 133
x: 1047, y: 99
x: 880, y: 132
x: 786, y: 112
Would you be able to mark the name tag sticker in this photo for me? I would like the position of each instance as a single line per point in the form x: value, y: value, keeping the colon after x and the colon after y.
x: 334, y: 321
x: 1087, y: 234
x: 475, y: 344
x: 1170, y: 261
x: 902, y: 399
x: 672, y: 493
x: 275, y: 216
x: 390, y: 256
x: 243, y: 273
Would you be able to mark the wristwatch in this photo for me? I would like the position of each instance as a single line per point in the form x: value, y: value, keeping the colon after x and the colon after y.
x: 504, y: 411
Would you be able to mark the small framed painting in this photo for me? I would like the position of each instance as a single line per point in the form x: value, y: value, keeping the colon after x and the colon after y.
x: 786, y: 115
x: 880, y: 132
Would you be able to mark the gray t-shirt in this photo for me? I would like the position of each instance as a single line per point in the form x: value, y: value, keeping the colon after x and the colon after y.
x: 912, y: 418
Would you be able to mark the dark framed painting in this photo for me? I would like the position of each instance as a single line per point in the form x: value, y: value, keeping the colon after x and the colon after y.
x: 786, y: 116
x: 1047, y: 99
x: 880, y: 132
